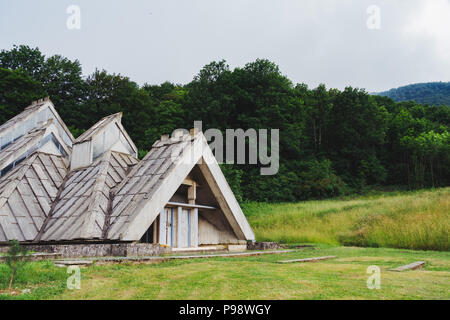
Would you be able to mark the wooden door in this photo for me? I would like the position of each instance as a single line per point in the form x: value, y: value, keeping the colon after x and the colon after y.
x: 170, y: 226
x: 183, y: 229
x: 178, y: 227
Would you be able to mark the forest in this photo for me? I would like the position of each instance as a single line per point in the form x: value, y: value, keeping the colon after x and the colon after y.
x: 332, y: 142
x: 434, y: 93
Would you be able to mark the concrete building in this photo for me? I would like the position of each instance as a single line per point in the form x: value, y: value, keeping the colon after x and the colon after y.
x: 55, y: 189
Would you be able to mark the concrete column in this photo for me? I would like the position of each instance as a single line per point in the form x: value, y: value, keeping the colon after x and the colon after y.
x: 192, y: 193
x: 189, y: 226
x: 155, y: 231
x: 194, y: 228
x: 162, y: 226
x: 179, y: 226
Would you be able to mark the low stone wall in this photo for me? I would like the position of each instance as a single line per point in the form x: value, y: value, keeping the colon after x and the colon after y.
x: 102, y: 250
x: 263, y: 246
x: 37, y: 256
x: 146, y: 249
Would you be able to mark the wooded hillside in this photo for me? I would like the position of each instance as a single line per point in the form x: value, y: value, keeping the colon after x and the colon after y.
x: 332, y: 142
x: 433, y: 93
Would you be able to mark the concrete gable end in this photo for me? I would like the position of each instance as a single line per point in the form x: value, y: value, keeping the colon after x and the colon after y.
x: 130, y: 226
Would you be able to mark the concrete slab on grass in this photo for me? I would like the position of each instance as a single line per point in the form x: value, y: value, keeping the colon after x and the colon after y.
x: 411, y: 266
x: 307, y: 259
x: 67, y: 263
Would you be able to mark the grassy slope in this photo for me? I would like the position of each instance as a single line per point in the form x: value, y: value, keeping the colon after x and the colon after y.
x: 412, y: 220
x: 254, y: 278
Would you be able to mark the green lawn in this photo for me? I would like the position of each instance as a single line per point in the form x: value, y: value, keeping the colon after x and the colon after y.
x: 413, y: 220
x: 410, y: 220
x: 258, y: 277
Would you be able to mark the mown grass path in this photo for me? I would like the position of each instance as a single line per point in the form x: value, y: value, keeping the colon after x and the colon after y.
x: 258, y: 277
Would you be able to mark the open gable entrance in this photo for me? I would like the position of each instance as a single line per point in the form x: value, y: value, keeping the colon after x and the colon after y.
x: 191, y: 218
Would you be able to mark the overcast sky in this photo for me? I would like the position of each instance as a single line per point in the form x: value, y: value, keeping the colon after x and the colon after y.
x: 313, y: 41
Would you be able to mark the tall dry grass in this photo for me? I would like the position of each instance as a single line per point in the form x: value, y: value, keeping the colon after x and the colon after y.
x: 412, y: 220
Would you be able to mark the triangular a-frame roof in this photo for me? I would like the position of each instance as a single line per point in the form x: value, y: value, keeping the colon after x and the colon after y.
x: 151, y: 184
x: 30, y: 142
x: 101, y: 125
x: 39, y: 111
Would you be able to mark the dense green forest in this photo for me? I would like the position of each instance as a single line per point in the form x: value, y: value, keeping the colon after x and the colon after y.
x: 433, y: 93
x: 332, y: 142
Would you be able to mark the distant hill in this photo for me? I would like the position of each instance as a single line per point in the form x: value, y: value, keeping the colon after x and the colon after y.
x: 432, y: 93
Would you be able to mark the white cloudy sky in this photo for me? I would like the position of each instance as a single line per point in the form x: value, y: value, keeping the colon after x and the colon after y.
x: 313, y: 41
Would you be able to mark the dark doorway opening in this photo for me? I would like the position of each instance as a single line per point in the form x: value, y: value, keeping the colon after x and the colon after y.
x: 151, y: 235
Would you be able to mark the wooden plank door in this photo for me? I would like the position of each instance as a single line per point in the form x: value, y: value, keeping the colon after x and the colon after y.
x: 170, y: 222
x: 183, y: 228
x: 178, y: 227
x: 187, y: 224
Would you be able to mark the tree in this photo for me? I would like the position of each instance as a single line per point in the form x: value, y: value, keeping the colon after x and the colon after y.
x: 59, y: 77
x: 107, y: 94
x: 356, y: 132
x: 63, y: 81
x: 25, y: 58
x: 318, y: 106
x: 15, y: 258
x: 429, y: 152
x: 17, y: 90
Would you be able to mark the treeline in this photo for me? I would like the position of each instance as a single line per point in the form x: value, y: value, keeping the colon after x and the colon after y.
x: 433, y: 93
x: 332, y: 142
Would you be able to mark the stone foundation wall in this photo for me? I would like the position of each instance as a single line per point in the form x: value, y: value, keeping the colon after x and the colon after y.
x: 263, y: 246
x: 101, y: 250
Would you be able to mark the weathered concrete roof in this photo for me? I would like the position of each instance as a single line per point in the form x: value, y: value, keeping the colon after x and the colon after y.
x: 21, y: 116
x: 81, y: 210
x: 87, y: 135
x: 27, y: 193
x: 29, y: 112
x: 21, y: 145
x: 144, y: 180
x: 30, y: 142
x: 102, y: 124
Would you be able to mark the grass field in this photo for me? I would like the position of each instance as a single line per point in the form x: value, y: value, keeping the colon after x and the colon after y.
x: 411, y: 220
x: 258, y: 277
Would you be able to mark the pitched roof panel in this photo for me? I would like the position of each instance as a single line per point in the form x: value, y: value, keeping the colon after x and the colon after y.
x: 81, y: 211
x: 19, y: 147
x: 20, y: 117
x: 25, y: 201
x: 88, y: 134
x: 42, y: 110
